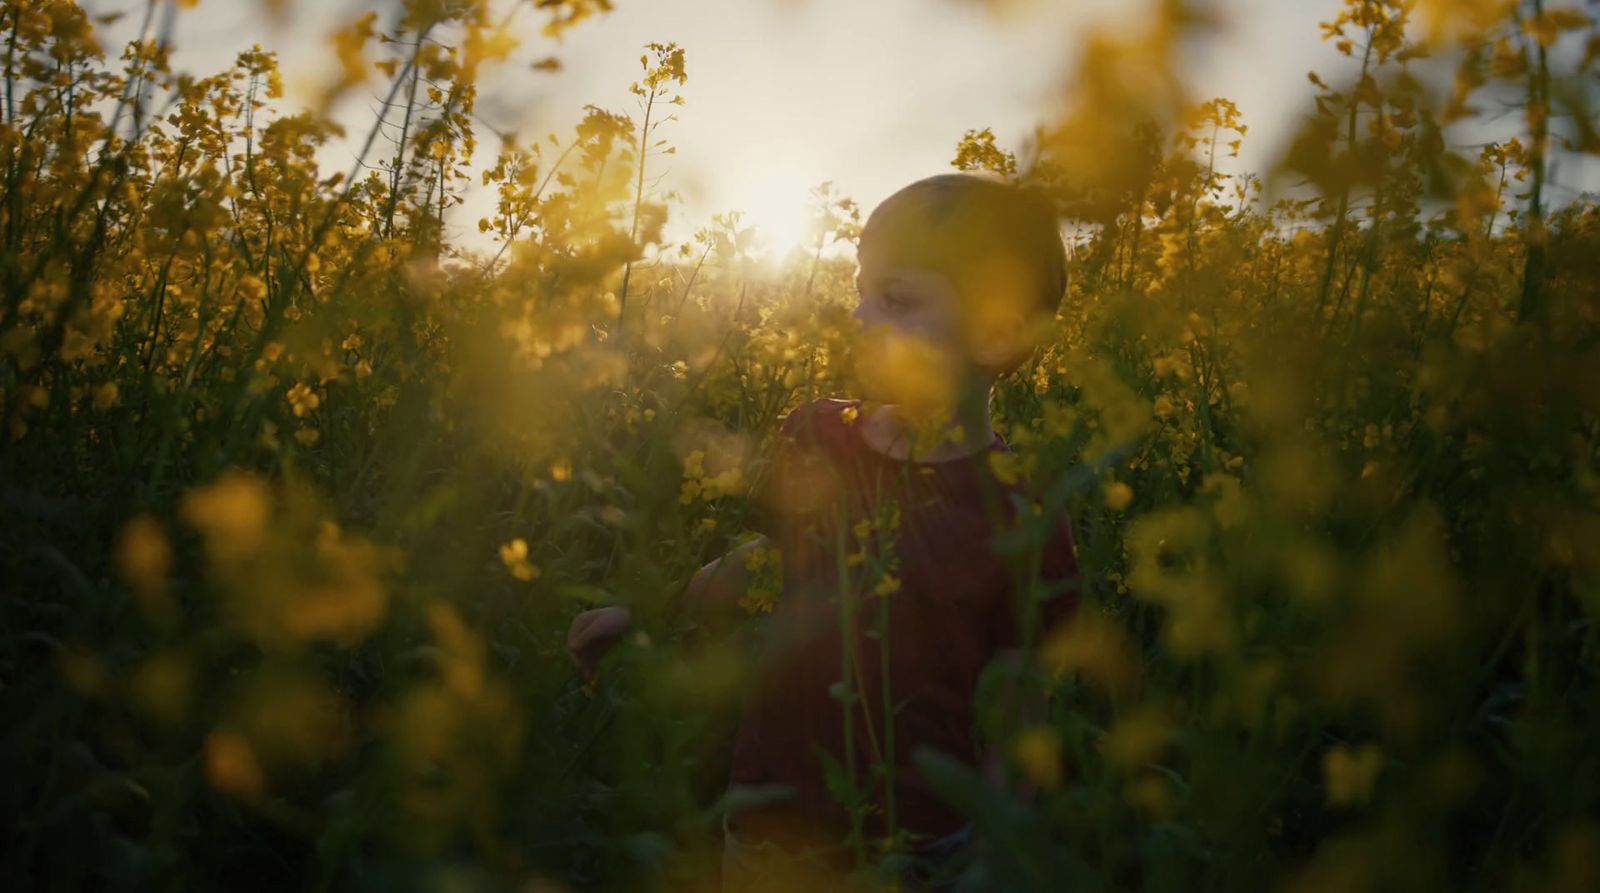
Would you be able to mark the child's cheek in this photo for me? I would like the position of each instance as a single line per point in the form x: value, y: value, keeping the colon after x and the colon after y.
x: 893, y: 367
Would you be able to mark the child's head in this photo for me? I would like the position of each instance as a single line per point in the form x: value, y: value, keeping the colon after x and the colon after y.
x: 964, y: 266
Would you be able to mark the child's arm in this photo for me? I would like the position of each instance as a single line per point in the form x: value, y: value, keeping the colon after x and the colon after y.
x: 712, y: 595
x: 716, y: 588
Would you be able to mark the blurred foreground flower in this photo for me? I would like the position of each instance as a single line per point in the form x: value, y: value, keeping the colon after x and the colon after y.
x: 286, y: 575
x: 1349, y: 774
x: 514, y: 555
x: 231, y: 765
x: 1094, y: 644
x: 1038, y: 752
x: 144, y: 558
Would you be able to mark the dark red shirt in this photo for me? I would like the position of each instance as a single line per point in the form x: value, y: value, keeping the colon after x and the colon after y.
x: 955, y: 608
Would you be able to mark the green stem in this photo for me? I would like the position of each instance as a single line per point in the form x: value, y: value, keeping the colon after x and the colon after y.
x: 847, y: 692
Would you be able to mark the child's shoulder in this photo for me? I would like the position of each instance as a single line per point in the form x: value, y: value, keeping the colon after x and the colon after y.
x: 819, y: 415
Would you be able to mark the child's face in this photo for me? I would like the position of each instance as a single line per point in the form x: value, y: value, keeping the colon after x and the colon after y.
x: 908, y: 301
x: 913, y: 347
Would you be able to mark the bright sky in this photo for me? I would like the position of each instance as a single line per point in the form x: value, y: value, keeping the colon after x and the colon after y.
x: 783, y: 94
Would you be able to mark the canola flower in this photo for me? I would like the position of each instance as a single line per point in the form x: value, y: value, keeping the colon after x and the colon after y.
x: 514, y: 555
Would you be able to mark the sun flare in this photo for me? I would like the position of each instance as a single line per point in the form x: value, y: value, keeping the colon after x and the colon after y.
x: 780, y: 212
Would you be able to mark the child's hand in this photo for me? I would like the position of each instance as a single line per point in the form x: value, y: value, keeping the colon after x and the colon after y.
x: 593, y: 633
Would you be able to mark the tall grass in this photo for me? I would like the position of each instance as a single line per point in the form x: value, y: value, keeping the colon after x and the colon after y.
x: 299, y: 495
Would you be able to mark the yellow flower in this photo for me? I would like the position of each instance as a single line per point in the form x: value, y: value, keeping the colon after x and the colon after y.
x: 1006, y: 466
x: 1136, y: 740
x: 144, y: 557
x: 766, y: 566
x: 889, y: 585
x: 162, y: 685
x: 252, y: 288
x: 1349, y: 774
x: 106, y: 395
x: 849, y: 414
x: 1153, y: 795
x: 1094, y: 644
x: 1232, y: 506
x: 725, y: 483
x: 231, y: 765
x: 694, y: 464
x: 1118, y: 496
x: 757, y: 601
x: 303, y: 399
x: 231, y: 514
x: 514, y: 555
x: 1038, y: 753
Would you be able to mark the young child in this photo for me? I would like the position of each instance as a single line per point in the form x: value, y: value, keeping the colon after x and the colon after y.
x: 885, y: 511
